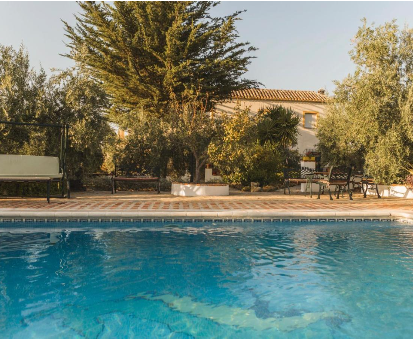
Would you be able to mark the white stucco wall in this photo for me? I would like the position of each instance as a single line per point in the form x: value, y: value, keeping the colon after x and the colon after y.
x: 192, y: 189
x: 306, y: 137
x: 210, y: 177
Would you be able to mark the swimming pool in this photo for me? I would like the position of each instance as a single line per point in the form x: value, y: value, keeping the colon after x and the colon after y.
x: 206, y: 280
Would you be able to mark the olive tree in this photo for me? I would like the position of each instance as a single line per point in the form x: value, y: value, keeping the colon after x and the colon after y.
x: 369, y: 119
x: 68, y: 97
x: 253, y: 148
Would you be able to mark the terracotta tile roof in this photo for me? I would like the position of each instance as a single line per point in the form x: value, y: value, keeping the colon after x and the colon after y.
x: 280, y: 95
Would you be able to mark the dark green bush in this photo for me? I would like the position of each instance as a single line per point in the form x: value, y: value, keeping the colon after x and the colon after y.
x: 16, y: 189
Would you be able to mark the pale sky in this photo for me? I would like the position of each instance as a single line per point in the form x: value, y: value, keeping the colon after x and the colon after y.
x: 302, y: 45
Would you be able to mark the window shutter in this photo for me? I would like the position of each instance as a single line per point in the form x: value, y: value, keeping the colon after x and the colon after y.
x: 310, y: 120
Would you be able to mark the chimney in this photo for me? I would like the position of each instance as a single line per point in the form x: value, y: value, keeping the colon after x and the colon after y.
x: 322, y: 91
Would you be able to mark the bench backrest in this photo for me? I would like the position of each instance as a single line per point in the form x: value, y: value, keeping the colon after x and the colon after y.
x: 26, y: 165
x: 297, y: 173
x: 130, y: 172
x: 340, y: 173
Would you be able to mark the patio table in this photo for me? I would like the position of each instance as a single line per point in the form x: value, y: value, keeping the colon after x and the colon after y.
x: 310, y: 180
x: 369, y: 183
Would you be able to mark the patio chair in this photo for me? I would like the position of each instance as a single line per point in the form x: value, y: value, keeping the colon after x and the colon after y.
x: 340, y: 177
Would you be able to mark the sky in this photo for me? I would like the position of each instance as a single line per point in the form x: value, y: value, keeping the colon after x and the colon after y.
x: 301, y: 45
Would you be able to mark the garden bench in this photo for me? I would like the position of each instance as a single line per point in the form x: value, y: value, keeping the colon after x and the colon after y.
x: 340, y: 177
x: 31, y: 169
x: 137, y: 179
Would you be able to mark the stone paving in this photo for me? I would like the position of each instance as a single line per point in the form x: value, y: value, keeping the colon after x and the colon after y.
x: 248, y: 204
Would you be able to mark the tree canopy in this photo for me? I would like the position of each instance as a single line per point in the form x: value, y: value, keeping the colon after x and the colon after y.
x: 68, y: 97
x: 148, y: 53
x: 369, y: 120
x: 253, y: 148
x: 22, y: 97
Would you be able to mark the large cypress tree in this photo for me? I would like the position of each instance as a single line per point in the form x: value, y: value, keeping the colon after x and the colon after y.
x: 148, y: 54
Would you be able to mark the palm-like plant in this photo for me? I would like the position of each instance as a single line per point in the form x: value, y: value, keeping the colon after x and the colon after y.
x: 278, y: 125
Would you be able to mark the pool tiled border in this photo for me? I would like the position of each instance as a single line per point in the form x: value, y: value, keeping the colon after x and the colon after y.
x: 396, y: 217
x: 215, y: 216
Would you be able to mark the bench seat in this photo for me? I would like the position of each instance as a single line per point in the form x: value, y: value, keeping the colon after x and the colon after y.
x: 134, y: 179
x: 298, y: 180
x: 29, y: 178
x: 332, y: 182
x: 137, y: 179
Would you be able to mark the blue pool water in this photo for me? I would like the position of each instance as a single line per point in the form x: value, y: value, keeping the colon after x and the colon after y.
x: 258, y: 280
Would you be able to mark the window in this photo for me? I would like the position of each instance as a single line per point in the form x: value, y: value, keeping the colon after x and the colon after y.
x: 310, y: 120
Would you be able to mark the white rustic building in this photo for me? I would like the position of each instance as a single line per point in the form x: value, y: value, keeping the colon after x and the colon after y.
x: 308, y: 105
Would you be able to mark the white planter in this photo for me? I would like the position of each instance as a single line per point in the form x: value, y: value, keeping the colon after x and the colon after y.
x: 392, y: 191
x: 191, y: 189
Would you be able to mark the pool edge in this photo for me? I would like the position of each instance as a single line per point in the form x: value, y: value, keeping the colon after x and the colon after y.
x: 218, y: 216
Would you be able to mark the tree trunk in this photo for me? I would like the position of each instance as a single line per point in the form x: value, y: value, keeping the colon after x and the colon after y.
x: 198, y: 167
x: 197, y: 170
x: 191, y: 168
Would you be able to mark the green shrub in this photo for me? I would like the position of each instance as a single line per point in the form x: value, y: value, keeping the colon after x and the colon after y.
x: 269, y: 188
x: 253, y: 148
x: 97, y: 183
x: 16, y: 189
x: 103, y: 183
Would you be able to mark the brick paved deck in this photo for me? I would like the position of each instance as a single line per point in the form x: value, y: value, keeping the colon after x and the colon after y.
x: 237, y: 204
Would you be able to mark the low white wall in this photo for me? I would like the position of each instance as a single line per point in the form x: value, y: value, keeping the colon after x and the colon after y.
x: 190, y: 189
x: 400, y: 191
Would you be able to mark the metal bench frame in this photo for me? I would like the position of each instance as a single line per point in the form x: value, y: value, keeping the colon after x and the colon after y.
x: 369, y: 183
x: 47, y: 180
x: 140, y: 179
x: 64, y: 135
x: 340, y: 179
